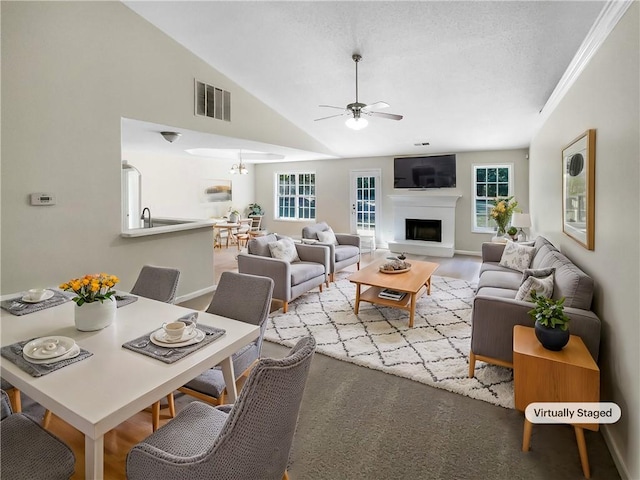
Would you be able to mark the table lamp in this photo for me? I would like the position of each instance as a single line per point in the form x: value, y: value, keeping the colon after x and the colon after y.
x: 520, y: 221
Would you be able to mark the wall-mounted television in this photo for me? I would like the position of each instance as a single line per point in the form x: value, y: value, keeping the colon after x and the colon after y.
x: 435, y: 171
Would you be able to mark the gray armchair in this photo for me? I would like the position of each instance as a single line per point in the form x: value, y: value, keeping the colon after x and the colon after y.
x: 291, y: 279
x: 346, y: 252
x: 246, y: 298
x: 250, y: 440
x: 30, y: 451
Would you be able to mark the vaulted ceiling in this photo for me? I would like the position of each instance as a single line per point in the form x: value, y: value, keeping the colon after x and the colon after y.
x: 466, y: 76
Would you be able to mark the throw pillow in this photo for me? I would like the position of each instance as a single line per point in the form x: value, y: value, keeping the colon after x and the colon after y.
x: 284, y: 249
x: 517, y: 257
x: 327, y: 237
x: 543, y: 286
x: 309, y: 241
x: 537, y: 272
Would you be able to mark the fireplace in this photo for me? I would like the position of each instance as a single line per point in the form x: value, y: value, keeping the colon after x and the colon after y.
x: 435, y: 231
x: 425, y: 230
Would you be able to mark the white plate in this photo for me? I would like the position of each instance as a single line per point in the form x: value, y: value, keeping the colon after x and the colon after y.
x: 47, y: 295
x: 74, y: 352
x: 162, y: 336
x: 158, y: 339
x: 48, y: 347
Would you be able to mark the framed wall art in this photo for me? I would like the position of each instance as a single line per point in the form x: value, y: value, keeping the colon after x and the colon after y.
x: 578, y: 189
x: 216, y: 190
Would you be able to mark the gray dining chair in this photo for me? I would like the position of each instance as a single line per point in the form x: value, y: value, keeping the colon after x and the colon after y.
x: 158, y: 283
x: 29, y: 451
x: 242, y: 297
x: 250, y: 440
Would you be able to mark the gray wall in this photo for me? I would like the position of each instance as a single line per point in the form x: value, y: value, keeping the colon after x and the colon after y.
x: 604, y: 97
x: 333, y: 203
x: 70, y: 71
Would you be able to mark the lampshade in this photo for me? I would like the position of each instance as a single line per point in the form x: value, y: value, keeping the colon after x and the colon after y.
x: 521, y: 220
x: 356, y: 123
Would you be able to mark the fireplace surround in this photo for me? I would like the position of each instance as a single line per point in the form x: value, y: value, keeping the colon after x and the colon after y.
x: 430, y: 209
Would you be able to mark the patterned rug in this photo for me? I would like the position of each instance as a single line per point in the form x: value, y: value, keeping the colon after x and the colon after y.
x: 434, y: 352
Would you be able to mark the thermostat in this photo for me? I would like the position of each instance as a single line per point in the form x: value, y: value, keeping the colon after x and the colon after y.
x: 42, y: 199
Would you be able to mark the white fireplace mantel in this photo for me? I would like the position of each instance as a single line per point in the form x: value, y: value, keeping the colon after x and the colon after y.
x: 427, y: 207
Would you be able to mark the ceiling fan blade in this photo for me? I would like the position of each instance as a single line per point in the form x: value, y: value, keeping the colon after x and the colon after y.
x: 331, y: 106
x: 377, y: 105
x: 331, y: 116
x: 390, y: 116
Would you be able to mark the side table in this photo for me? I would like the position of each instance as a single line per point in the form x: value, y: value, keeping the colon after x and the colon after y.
x: 541, y: 375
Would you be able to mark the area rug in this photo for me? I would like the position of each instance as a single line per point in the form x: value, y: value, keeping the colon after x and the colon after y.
x: 434, y: 352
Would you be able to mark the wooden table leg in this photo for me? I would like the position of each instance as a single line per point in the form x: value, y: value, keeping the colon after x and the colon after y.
x: 428, y: 284
x: 412, y: 312
x: 357, y: 298
x: 582, y: 448
x: 526, y: 435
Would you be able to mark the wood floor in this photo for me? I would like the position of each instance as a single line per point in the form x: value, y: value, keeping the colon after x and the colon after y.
x: 121, y: 439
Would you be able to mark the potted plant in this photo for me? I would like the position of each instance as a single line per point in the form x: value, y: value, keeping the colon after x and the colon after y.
x: 513, y: 233
x: 255, y: 209
x: 552, y: 324
x: 234, y: 215
x: 95, y: 305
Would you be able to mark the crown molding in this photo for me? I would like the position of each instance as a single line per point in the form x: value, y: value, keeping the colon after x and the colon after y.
x: 608, y: 18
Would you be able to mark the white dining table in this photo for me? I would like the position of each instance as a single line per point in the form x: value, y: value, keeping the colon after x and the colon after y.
x: 100, y: 392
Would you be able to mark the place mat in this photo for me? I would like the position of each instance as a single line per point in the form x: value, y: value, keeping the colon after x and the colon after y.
x: 123, y: 300
x: 168, y: 354
x: 13, y: 353
x: 17, y: 307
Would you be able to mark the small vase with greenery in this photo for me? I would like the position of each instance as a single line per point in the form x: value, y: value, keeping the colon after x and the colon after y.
x: 552, y: 324
x: 513, y: 233
x: 255, y: 209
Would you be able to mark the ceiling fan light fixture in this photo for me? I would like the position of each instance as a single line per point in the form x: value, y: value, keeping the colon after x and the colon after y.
x: 356, y: 123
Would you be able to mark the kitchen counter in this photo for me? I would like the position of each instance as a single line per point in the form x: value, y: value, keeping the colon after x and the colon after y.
x: 168, y: 225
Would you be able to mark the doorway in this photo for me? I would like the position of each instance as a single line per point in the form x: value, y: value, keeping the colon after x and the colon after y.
x: 365, y: 194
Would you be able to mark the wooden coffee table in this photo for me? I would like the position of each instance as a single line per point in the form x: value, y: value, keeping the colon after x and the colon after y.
x: 414, y: 282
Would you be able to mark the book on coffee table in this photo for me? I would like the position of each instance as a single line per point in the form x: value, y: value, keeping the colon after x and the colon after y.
x: 391, y: 294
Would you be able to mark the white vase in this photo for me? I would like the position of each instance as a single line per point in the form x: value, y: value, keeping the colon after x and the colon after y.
x: 95, y: 315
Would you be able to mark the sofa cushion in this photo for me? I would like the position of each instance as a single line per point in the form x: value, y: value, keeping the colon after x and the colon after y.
x: 303, y: 271
x: 543, y: 286
x: 505, y: 279
x: 537, y: 272
x: 497, y: 292
x: 284, y: 249
x: 327, y: 236
x: 544, y: 257
x: 516, y: 256
x: 260, y: 245
x: 344, y: 252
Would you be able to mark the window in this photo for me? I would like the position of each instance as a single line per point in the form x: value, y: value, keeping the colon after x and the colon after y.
x: 490, y: 182
x: 296, y: 196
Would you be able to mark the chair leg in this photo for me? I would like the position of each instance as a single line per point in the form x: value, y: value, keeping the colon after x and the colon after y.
x: 172, y: 405
x: 16, y: 400
x: 285, y: 307
x: 358, y: 265
x: 46, y: 419
x: 472, y: 364
x: 155, y: 416
x: 285, y: 476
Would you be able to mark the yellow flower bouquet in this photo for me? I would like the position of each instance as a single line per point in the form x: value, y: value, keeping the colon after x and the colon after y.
x: 502, y: 211
x: 91, y: 288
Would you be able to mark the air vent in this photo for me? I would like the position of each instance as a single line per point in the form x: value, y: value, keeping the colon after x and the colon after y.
x: 212, y: 102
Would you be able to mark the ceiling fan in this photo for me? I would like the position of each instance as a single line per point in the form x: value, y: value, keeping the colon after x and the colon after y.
x: 356, y: 109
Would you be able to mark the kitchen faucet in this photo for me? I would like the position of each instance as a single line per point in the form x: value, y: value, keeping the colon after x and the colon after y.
x: 147, y: 223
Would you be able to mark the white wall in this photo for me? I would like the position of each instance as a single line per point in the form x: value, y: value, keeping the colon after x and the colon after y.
x: 172, y: 185
x: 70, y: 72
x: 333, y: 203
x: 604, y: 97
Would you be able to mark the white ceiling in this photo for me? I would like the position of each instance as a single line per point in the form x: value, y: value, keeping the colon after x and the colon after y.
x: 467, y: 76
